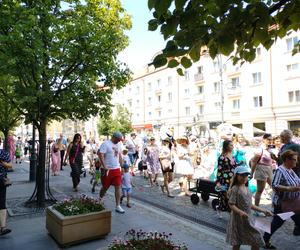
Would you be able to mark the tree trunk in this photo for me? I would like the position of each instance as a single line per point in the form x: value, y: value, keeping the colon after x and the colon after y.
x: 5, y: 141
x: 40, y: 171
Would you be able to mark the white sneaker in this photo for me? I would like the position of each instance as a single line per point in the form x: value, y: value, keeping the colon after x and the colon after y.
x: 120, y: 210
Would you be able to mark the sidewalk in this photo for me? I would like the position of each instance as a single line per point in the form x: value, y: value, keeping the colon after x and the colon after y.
x: 29, y: 232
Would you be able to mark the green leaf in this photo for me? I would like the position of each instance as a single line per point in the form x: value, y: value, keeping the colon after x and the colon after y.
x: 179, y: 4
x: 152, y: 24
x: 159, y: 61
x: 151, y: 4
x: 186, y: 62
x: 173, y: 63
x: 162, y: 6
x: 195, y: 53
x: 180, y: 72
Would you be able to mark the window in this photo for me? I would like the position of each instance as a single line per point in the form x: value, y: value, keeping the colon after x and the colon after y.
x: 149, y: 86
x: 129, y: 90
x: 217, y: 87
x: 170, y: 97
x: 170, y: 111
x: 216, y: 66
x: 256, y: 77
x: 258, y: 101
x: 159, y: 98
x: 186, y: 91
x: 200, y: 109
x: 158, y: 82
x: 187, y: 110
x: 149, y: 100
x: 294, y: 96
x: 235, y: 82
x: 186, y: 75
x: 150, y: 114
x: 292, y: 67
x: 169, y: 80
x: 200, y: 70
x: 159, y: 113
x: 129, y: 103
x: 236, y: 104
x: 217, y: 105
x: 258, y: 52
x: 290, y: 43
x: 137, y: 102
x: 200, y: 89
x: 137, y: 89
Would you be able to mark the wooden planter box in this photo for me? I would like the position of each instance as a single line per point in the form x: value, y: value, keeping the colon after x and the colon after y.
x: 69, y: 230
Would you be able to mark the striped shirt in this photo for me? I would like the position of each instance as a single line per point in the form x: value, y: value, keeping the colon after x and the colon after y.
x: 284, y: 177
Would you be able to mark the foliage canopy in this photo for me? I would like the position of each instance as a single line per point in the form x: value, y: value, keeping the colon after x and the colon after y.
x: 121, y: 121
x: 222, y: 26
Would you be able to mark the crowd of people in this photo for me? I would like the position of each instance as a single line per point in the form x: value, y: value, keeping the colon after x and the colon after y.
x: 239, y: 169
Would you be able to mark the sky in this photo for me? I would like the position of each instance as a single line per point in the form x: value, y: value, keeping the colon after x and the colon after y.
x: 144, y: 44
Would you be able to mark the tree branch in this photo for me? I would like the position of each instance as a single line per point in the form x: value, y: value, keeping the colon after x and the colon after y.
x: 278, y: 5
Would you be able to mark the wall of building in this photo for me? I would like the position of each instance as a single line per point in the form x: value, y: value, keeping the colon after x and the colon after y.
x: 261, y: 97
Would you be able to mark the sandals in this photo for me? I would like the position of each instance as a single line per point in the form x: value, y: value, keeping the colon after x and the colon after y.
x: 171, y: 196
x: 4, y: 231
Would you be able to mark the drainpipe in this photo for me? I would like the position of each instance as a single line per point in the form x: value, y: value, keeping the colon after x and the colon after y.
x: 271, y: 88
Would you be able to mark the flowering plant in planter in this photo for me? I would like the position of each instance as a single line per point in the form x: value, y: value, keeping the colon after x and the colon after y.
x: 81, y: 205
x: 140, y: 240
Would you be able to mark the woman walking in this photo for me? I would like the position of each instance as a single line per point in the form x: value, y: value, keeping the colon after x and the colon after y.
x: 226, y: 166
x: 4, y: 165
x: 152, y: 160
x: 286, y: 198
x: 75, y: 154
x: 55, y: 157
x: 167, y: 165
x: 184, y: 166
x: 261, y: 166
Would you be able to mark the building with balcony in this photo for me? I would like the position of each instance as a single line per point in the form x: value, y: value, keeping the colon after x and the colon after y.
x: 260, y: 96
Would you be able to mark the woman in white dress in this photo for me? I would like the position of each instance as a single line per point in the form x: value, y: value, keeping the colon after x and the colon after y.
x: 184, y: 166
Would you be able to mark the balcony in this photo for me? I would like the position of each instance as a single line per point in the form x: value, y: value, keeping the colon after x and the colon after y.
x: 235, y: 113
x: 198, y: 77
x: 199, y: 97
x: 158, y: 90
x: 233, y: 90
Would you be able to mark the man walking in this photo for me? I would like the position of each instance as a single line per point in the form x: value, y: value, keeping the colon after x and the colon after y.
x: 111, y: 160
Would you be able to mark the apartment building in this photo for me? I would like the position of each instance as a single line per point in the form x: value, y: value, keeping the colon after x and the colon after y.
x: 260, y: 96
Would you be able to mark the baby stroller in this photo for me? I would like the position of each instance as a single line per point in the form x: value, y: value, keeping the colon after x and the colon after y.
x: 207, y: 188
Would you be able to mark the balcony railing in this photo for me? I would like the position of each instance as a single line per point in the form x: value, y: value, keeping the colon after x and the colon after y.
x: 198, y: 77
x: 199, y: 97
x: 233, y: 90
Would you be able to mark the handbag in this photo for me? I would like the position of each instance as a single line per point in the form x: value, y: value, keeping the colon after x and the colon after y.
x: 291, y: 205
x: 6, y: 181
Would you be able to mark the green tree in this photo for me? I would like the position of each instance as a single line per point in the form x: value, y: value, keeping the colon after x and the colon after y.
x: 59, y: 52
x: 228, y: 27
x: 121, y: 121
x: 10, y: 115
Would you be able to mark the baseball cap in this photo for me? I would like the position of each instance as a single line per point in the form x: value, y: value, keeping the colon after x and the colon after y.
x: 242, y: 170
x: 117, y: 135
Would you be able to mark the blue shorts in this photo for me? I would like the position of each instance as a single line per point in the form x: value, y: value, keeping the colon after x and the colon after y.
x: 126, y: 191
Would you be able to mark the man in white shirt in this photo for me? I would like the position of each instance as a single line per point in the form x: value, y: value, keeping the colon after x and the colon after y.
x: 132, y: 148
x: 111, y: 160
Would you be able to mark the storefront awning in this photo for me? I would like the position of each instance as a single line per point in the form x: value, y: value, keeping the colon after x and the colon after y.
x: 142, y: 126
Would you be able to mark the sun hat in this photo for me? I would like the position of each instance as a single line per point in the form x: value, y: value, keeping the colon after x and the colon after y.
x: 242, y: 170
x: 117, y: 135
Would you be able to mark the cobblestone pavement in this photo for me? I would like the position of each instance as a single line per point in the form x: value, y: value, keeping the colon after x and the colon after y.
x: 180, y: 205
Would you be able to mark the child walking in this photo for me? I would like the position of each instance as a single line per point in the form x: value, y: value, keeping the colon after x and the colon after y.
x: 96, y: 174
x: 239, y: 230
x: 126, y: 184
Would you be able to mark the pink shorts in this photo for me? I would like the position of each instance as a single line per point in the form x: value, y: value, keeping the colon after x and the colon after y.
x: 112, y: 177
